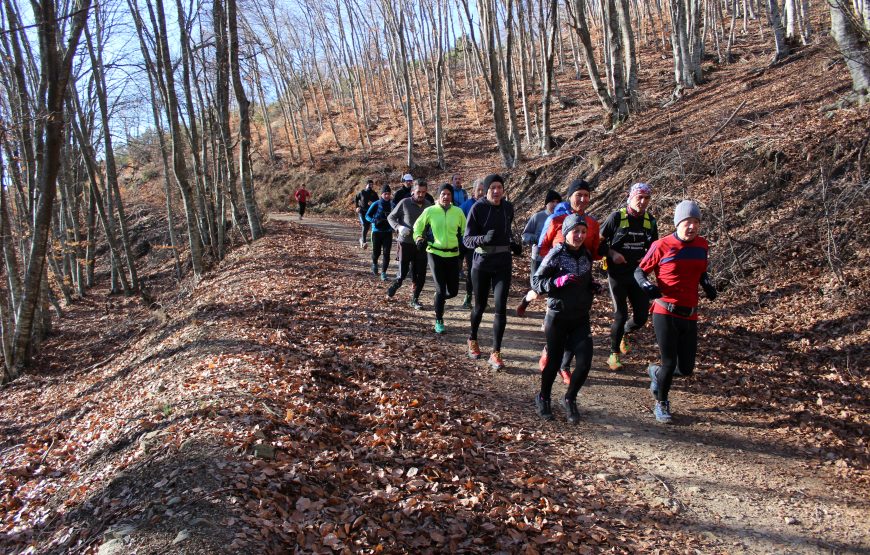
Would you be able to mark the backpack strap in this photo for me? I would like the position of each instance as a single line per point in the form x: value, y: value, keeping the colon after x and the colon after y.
x: 623, y: 219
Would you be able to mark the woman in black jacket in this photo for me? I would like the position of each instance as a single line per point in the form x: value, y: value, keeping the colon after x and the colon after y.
x: 565, y: 275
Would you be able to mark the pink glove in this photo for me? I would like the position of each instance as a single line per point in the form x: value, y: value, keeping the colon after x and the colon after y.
x: 562, y: 281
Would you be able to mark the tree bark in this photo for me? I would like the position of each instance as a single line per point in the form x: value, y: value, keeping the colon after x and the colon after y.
x: 245, y: 174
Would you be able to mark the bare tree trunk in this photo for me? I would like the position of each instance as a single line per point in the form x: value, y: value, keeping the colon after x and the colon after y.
x: 782, y: 49
x: 111, y: 168
x: 166, y: 81
x: 245, y: 174
x: 56, y: 67
x: 853, y: 44
x: 549, y: 23
x: 577, y: 20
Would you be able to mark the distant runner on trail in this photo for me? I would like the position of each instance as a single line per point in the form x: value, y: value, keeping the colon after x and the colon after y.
x: 402, y: 219
x: 459, y: 195
x: 382, y: 233
x: 446, y: 223
x: 363, y: 200
x: 301, y: 195
x: 478, y: 191
x: 405, y: 190
x: 679, y: 262
x: 489, y: 233
x: 626, y: 236
x: 578, y: 200
x: 565, y: 275
x: 531, y: 232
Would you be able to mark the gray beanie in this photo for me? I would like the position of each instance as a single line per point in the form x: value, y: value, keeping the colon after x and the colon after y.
x: 571, y: 222
x: 686, y: 209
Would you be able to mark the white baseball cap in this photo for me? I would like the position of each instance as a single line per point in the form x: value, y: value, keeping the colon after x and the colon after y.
x: 407, y: 177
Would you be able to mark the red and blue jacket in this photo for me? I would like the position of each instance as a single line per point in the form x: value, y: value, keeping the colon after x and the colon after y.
x: 678, y: 267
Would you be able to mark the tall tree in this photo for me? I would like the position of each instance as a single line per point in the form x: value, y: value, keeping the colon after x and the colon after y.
x: 54, y: 74
x: 851, y: 30
x: 245, y: 173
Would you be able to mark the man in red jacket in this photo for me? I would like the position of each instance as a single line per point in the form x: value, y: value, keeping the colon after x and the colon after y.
x: 302, y: 195
x: 679, y: 263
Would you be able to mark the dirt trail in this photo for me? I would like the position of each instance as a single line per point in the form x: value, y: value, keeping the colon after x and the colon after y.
x: 720, y: 476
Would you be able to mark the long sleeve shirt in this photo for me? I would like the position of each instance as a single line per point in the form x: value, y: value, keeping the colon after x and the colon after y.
x: 572, y: 300
x: 446, y: 227
x: 484, y: 216
x: 533, y: 230
x: 678, y: 267
x: 403, y: 217
x: 377, y: 215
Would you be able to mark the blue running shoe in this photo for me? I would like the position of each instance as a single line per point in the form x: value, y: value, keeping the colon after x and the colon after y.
x: 662, y: 411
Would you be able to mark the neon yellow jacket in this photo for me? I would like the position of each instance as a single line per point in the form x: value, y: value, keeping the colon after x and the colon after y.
x: 447, y: 227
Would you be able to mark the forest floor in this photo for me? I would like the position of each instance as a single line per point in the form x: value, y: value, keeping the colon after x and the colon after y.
x: 284, y: 403
x: 721, y: 475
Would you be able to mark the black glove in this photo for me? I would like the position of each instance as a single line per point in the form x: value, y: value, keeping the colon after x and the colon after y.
x: 708, y: 287
x: 421, y: 244
x: 516, y: 249
x: 595, y: 287
x: 488, y: 237
x: 651, y: 290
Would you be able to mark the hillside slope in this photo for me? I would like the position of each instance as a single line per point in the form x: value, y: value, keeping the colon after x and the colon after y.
x: 784, y: 189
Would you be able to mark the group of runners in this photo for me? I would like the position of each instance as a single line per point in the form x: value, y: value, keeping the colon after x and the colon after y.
x: 456, y: 235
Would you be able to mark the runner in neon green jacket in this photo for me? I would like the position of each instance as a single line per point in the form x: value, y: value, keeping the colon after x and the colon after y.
x: 439, y: 230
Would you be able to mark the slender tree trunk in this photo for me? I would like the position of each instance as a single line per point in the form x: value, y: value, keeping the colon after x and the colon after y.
x: 245, y: 174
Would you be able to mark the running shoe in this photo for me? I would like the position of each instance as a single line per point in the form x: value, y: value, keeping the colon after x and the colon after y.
x: 652, y: 369
x: 439, y: 326
x: 624, y: 345
x: 473, y: 349
x: 613, y: 362
x: 566, y: 375
x: 496, y: 362
x: 542, y: 362
x: 391, y: 291
x: 415, y: 304
x: 383, y: 276
x: 662, y: 411
x: 374, y: 269
x: 542, y: 407
x: 571, y: 410
x: 362, y: 243
x: 521, y: 308
x: 466, y: 303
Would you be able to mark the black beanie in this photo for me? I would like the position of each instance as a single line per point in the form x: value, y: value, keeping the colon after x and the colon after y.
x: 577, y: 185
x: 490, y: 179
x: 551, y: 196
x: 445, y: 187
x: 386, y: 189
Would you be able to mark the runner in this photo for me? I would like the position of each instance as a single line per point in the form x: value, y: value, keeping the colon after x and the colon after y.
x: 530, y: 237
x: 446, y: 223
x: 578, y: 200
x: 363, y: 200
x: 478, y: 191
x: 679, y: 262
x: 405, y: 190
x: 382, y: 233
x: 626, y: 236
x: 402, y: 220
x: 459, y: 195
x: 565, y: 275
x: 301, y: 195
x: 488, y: 232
